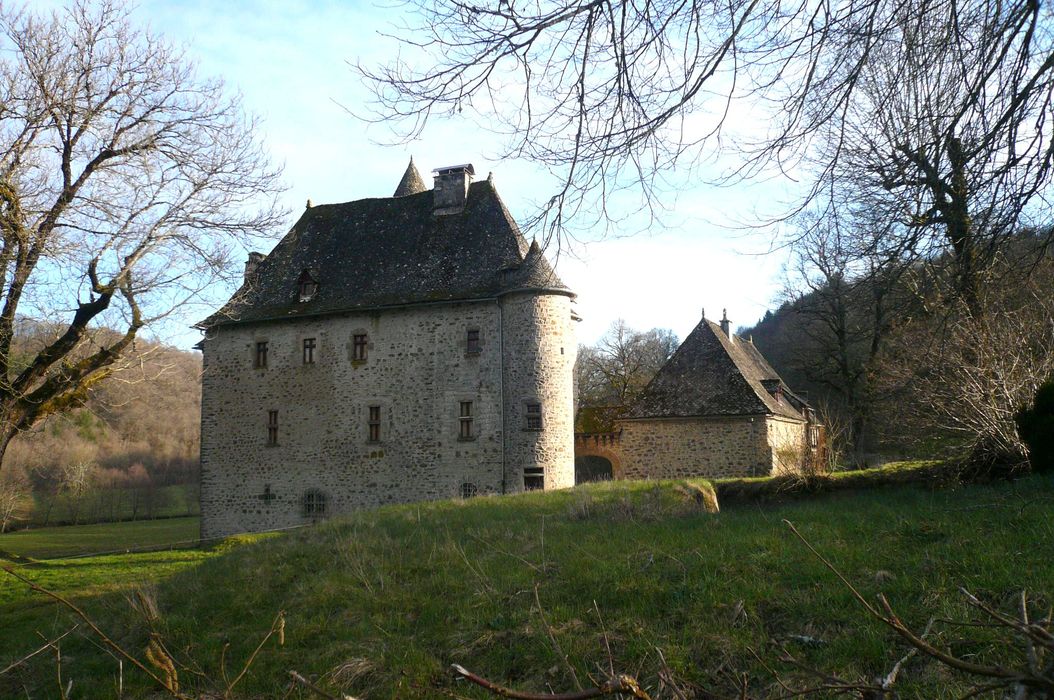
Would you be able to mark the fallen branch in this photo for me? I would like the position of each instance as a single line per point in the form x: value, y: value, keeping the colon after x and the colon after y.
x: 620, y: 684
x: 42, y: 649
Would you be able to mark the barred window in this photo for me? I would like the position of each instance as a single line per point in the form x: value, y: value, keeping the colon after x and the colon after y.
x: 309, y: 351
x: 358, y: 346
x: 465, y: 419
x: 260, y: 359
x: 314, y: 503
x: 272, y: 428
x: 374, y: 433
x: 533, y: 412
x: 468, y: 490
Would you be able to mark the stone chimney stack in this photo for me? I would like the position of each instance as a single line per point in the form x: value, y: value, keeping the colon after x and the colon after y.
x: 451, y: 188
x: 726, y: 324
x: 252, y: 263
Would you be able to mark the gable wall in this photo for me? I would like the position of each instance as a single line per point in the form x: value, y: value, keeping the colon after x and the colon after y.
x: 786, y: 440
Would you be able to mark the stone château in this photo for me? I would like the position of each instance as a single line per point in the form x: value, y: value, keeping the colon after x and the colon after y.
x: 387, y: 350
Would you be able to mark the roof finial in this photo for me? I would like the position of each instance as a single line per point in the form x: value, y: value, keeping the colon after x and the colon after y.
x: 309, y: 205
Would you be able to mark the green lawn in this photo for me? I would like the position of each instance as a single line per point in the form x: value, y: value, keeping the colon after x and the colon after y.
x: 73, y: 540
x: 379, y: 604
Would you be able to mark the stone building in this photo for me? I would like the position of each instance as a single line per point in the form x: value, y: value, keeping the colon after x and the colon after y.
x: 387, y: 350
x: 715, y: 409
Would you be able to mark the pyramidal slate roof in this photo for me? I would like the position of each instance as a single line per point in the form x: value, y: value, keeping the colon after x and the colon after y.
x: 375, y: 253
x: 412, y: 182
x: 712, y: 374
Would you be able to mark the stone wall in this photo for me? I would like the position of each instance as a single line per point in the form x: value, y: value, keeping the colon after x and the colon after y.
x: 540, y: 350
x: 786, y: 440
x: 689, y: 447
x: 418, y: 371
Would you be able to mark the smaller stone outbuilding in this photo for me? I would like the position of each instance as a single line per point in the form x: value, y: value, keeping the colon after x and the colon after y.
x: 715, y: 409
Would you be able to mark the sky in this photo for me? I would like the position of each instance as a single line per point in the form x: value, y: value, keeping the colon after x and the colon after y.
x: 292, y: 62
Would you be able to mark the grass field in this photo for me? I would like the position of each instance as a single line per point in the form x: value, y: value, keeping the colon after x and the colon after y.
x: 379, y: 604
x: 51, y: 542
x: 170, y: 501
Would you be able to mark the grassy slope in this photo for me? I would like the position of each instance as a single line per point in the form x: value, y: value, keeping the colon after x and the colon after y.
x: 402, y: 592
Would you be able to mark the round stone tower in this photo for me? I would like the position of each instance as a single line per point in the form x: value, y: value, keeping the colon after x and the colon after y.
x: 538, y: 358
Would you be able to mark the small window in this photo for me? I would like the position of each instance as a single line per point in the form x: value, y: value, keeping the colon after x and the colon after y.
x: 272, y: 428
x: 260, y: 359
x: 465, y: 419
x: 309, y: 351
x: 468, y: 490
x: 314, y: 504
x: 814, y: 436
x: 533, y: 479
x: 358, y: 346
x: 374, y: 434
x: 472, y: 345
x: 534, y: 416
x: 307, y: 286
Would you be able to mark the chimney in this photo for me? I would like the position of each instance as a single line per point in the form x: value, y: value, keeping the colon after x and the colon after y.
x: 252, y: 263
x: 725, y: 323
x: 451, y: 188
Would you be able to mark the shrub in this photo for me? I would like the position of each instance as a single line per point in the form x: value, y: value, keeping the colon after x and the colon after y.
x: 1035, y: 425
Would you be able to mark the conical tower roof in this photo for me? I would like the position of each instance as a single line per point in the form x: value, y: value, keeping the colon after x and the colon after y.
x: 412, y: 182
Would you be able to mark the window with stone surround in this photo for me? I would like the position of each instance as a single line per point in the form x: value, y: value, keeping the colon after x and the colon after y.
x: 260, y: 358
x: 314, y: 504
x: 309, y: 351
x: 472, y: 344
x: 465, y: 430
x: 359, y: 342
x: 533, y: 479
x: 374, y: 431
x: 532, y: 412
x: 272, y: 428
x: 468, y: 490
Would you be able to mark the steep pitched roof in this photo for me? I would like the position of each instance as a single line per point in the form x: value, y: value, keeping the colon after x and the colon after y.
x: 412, y: 182
x: 382, y: 252
x: 711, y: 374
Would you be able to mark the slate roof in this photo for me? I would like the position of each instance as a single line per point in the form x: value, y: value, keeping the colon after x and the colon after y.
x: 711, y: 374
x: 375, y: 253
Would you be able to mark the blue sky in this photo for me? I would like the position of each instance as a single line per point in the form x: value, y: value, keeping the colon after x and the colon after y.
x: 290, y: 60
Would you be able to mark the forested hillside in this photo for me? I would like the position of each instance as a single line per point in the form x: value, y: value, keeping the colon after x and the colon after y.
x: 135, y: 433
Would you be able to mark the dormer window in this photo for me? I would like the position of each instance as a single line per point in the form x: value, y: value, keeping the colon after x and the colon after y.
x: 307, y: 286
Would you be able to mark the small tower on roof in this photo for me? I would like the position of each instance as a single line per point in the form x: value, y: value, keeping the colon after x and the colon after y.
x: 412, y: 182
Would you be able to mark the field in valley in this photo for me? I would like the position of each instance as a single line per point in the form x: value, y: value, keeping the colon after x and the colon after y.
x: 537, y: 590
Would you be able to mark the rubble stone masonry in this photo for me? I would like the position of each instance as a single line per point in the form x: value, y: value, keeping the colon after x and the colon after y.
x: 419, y: 371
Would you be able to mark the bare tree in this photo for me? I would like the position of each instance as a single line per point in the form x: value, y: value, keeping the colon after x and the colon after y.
x: 612, y: 95
x: 848, y: 289
x: 615, y: 370
x: 124, y: 179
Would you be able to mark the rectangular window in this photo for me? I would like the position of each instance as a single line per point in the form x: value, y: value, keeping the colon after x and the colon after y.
x: 374, y: 434
x: 533, y: 479
x: 465, y: 419
x: 309, y: 351
x: 272, y: 427
x: 260, y: 360
x: 358, y: 346
x: 534, y: 416
x: 472, y: 345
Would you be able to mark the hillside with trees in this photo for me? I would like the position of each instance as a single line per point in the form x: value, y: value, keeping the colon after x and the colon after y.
x: 115, y: 455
